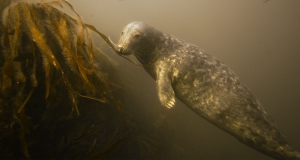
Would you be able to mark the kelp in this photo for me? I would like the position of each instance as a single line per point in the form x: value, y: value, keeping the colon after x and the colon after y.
x: 74, y: 56
x: 47, y: 51
x: 72, y: 52
x: 58, y: 93
x: 109, y: 147
x: 4, y: 4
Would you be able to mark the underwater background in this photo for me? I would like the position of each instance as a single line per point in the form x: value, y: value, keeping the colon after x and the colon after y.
x: 258, y: 40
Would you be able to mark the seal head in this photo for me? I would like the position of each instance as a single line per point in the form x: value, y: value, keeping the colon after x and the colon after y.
x: 139, y: 39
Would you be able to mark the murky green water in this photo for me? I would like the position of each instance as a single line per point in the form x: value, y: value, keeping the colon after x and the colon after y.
x: 258, y: 41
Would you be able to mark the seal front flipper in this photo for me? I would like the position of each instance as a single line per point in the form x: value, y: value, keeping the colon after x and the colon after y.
x: 165, y: 91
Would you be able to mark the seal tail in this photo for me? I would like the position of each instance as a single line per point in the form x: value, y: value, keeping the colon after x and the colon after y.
x: 294, y: 155
x: 289, y: 154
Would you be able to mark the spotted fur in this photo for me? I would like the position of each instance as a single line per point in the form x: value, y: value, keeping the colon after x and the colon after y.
x: 205, y: 85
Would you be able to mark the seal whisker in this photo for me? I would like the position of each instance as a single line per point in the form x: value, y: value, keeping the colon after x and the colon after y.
x: 130, y: 60
x: 136, y: 53
x: 138, y: 56
x: 133, y: 59
x: 140, y: 59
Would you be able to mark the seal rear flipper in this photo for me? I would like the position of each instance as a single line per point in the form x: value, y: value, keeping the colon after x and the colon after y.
x: 165, y: 91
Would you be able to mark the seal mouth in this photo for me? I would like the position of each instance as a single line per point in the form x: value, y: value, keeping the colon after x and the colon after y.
x: 120, y: 49
x: 117, y: 48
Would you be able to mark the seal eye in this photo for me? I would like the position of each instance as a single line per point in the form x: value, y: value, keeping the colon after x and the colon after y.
x: 137, y: 36
x: 122, y: 33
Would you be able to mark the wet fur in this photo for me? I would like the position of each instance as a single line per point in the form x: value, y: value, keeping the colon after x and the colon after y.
x: 205, y: 85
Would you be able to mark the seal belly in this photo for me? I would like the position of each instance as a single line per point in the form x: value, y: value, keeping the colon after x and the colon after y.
x: 214, y: 92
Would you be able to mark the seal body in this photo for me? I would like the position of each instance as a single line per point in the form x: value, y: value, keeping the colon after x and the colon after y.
x: 205, y: 85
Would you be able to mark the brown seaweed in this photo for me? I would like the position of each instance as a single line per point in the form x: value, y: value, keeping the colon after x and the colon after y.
x: 46, y: 52
x: 58, y: 93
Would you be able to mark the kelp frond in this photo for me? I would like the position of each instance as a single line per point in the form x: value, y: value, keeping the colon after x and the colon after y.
x: 63, y: 41
x: 43, y: 44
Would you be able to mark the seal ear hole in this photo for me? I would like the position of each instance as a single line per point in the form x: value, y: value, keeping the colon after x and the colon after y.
x: 122, y: 33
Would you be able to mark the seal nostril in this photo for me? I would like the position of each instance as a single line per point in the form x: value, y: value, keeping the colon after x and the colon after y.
x: 121, y: 49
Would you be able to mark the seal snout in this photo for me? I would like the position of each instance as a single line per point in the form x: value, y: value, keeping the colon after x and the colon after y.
x: 120, y: 49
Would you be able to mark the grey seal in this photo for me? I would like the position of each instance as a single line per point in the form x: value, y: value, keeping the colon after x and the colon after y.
x: 205, y: 85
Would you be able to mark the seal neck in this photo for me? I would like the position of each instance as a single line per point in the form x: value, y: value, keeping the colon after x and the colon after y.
x: 151, y: 51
